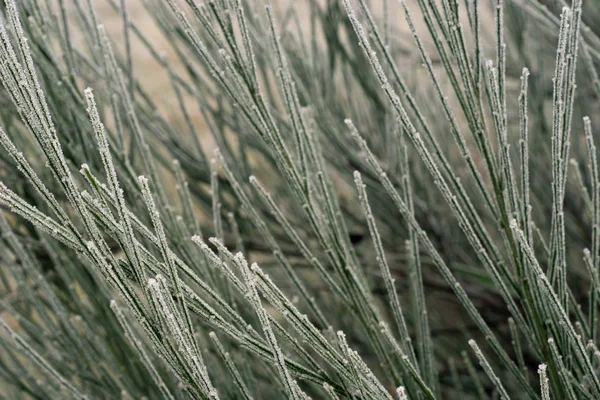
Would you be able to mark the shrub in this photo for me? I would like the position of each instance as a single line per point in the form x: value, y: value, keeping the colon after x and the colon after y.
x: 364, y: 228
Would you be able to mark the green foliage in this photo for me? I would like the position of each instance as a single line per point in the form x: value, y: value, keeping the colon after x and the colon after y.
x: 366, y: 228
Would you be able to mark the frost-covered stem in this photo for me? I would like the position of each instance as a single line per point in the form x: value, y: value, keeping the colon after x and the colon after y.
x: 489, y: 370
x: 254, y: 298
x: 544, y: 387
x: 181, y: 314
x: 385, y: 270
x: 226, y: 357
x: 130, y: 248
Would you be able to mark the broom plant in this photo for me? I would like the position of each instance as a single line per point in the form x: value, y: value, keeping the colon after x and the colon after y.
x: 336, y: 199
